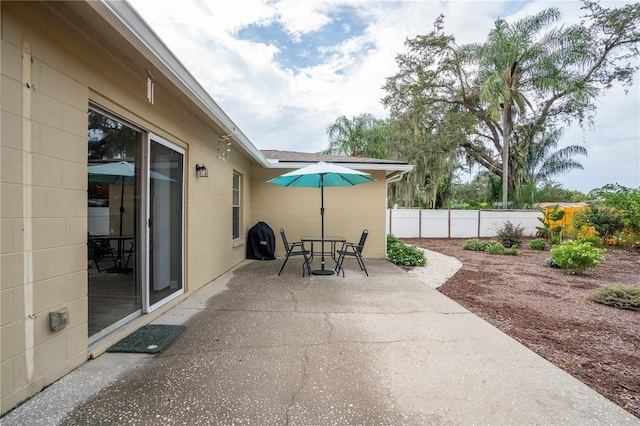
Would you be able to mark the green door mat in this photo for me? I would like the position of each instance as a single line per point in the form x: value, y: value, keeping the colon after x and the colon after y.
x: 149, y: 339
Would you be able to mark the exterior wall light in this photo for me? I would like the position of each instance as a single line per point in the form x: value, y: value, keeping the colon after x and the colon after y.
x: 202, y: 171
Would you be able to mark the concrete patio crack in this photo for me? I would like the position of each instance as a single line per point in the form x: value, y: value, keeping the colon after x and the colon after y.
x: 303, y: 381
x: 326, y: 319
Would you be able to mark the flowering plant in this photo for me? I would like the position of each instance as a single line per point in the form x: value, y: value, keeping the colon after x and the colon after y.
x: 404, y: 254
x: 576, y: 256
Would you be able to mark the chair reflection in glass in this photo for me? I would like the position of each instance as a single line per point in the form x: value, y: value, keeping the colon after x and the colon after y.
x: 352, y: 250
x: 101, y: 245
x: 97, y: 250
x: 295, y: 249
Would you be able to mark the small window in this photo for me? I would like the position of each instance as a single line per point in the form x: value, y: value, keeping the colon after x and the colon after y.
x: 237, y: 196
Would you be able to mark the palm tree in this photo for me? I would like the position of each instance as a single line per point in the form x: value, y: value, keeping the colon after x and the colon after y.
x: 363, y: 135
x: 525, y: 74
x: 517, y: 60
x: 540, y: 160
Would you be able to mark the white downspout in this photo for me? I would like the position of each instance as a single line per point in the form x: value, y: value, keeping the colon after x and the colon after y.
x: 394, y: 178
x: 27, y: 209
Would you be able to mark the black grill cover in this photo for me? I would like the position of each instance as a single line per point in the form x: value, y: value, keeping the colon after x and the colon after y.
x: 261, y: 243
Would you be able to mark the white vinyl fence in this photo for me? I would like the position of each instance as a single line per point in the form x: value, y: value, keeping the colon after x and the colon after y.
x: 417, y: 223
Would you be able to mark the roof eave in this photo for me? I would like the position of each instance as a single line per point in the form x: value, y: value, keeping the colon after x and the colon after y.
x: 124, y: 19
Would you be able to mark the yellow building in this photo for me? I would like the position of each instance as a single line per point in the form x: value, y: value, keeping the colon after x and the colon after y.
x: 106, y: 221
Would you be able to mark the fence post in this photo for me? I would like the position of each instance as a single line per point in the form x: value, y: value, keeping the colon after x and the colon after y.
x: 420, y: 223
x: 449, y: 223
x: 390, y: 221
x: 479, y: 222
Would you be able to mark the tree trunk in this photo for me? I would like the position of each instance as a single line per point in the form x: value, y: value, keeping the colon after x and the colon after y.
x: 506, y: 138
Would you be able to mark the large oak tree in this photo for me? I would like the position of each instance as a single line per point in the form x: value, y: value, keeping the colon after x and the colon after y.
x: 531, y: 77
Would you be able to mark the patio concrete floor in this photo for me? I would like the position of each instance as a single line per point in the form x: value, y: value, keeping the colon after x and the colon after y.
x: 264, y: 349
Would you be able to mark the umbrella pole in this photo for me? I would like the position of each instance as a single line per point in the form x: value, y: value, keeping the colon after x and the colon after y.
x: 322, y: 228
x: 120, y: 242
x: 322, y: 271
x: 120, y: 250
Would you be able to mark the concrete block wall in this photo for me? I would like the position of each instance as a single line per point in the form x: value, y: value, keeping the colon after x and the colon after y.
x: 43, y: 202
x: 348, y: 210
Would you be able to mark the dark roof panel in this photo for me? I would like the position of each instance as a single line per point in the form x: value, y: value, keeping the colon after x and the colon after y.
x: 302, y: 157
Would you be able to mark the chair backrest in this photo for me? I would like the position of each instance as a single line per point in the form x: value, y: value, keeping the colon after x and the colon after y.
x: 363, y: 238
x: 284, y: 240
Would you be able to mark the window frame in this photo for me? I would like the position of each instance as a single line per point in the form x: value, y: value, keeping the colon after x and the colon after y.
x: 236, y: 209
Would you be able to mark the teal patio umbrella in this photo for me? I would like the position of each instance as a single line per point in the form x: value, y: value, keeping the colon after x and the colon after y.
x: 319, y: 175
x: 119, y: 173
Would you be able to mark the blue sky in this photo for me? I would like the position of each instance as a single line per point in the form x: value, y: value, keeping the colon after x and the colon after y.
x: 284, y: 70
x: 302, y: 51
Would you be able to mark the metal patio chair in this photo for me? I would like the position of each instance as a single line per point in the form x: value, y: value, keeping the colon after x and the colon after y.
x: 352, y: 250
x: 295, y: 249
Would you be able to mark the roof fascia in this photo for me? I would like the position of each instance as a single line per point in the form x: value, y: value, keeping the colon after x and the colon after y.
x: 124, y: 19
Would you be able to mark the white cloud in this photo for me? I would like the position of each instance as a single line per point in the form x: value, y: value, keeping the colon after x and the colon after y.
x: 301, y: 17
x: 289, y: 109
x: 613, y: 143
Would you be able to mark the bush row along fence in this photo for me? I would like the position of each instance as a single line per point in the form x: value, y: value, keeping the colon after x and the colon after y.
x: 418, y: 223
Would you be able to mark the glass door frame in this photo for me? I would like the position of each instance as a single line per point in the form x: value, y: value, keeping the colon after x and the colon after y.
x: 146, y: 297
x: 138, y: 272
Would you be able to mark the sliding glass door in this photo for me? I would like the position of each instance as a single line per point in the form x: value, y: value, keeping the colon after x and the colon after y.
x: 165, y: 222
x: 114, y: 179
x: 135, y: 229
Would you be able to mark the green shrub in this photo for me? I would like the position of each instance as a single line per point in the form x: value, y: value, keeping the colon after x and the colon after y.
x: 625, y: 200
x: 475, y: 245
x: 606, y: 220
x: 494, y: 247
x: 619, y: 297
x: 393, y: 244
x: 391, y: 240
x: 593, y: 239
x: 510, y: 235
x: 539, y: 244
x: 403, y: 254
x: 491, y: 247
x: 576, y: 256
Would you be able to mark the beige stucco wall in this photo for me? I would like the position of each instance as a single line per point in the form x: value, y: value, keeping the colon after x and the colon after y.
x: 43, y: 258
x: 348, y: 210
